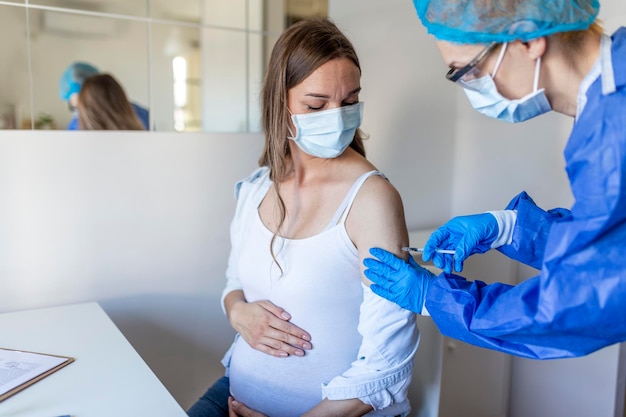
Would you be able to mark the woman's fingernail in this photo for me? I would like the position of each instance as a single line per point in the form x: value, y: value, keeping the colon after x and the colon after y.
x: 285, y: 315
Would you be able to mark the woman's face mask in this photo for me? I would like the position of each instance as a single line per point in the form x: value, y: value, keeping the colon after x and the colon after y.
x: 485, y: 98
x: 326, y: 134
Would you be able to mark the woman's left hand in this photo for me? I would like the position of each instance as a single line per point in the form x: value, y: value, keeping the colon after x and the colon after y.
x: 237, y: 409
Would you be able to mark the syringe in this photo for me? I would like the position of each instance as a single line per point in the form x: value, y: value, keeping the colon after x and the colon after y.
x: 410, y: 249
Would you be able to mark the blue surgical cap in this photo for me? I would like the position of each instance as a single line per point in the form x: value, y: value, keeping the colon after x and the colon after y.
x: 485, y: 21
x: 73, y: 77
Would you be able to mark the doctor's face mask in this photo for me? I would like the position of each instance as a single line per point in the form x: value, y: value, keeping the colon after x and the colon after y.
x: 326, y: 134
x: 485, y: 98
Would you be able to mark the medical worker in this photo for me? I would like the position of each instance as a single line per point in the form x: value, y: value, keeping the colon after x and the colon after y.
x: 517, y: 60
x: 70, y: 84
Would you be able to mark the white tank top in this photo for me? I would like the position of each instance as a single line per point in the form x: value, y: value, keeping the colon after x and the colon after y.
x: 320, y: 287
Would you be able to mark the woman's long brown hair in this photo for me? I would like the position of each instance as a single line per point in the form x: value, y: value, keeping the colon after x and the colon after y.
x: 298, y: 52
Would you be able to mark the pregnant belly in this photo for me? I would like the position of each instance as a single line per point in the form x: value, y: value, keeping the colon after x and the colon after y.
x: 285, y: 387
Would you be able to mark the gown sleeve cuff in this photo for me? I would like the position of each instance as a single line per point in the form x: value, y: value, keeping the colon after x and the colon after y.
x: 506, y: 222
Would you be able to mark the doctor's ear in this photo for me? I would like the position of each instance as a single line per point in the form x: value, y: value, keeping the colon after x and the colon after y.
x: 536, y: 47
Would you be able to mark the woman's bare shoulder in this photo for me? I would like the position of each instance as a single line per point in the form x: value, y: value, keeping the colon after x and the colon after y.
x: 377, y: 218
x: 379, y: 192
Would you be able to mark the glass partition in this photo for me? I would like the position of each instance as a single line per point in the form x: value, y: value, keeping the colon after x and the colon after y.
x: 180, y: 10
x: 135, y: 8
x: 196, y: 64
x: 115, y: 46
x: 175, y: 78
x: 15, y: 88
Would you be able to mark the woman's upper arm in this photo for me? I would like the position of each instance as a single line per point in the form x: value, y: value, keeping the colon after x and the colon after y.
x: 377, y: 220
x: 385, y: 359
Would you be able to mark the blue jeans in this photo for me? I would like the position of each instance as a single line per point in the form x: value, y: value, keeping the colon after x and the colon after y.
x: 214, y: 402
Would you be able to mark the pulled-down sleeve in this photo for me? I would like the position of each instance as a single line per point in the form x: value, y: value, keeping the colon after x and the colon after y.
x: 381, y: 373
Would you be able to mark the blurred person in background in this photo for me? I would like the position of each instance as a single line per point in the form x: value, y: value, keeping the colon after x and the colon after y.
x: 70, y: 85
x: 103, y: 105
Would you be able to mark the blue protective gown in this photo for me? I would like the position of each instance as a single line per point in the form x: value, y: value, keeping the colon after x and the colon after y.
x: 577, y: 303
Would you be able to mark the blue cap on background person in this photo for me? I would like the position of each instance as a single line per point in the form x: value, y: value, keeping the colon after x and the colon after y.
x: 485, y: 21
x: 73, y: 77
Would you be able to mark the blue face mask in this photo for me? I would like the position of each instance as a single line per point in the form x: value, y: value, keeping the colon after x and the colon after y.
x: 326, y: 134
x: 485, y: 98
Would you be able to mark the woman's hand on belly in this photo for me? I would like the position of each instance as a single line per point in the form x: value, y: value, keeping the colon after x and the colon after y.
x: 266, y: 327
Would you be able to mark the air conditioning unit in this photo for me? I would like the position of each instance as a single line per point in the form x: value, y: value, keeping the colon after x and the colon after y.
x: 74, y: 24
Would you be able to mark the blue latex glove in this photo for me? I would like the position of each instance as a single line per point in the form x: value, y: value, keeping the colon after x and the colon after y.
x: 404, y: 283
x: 466, y: 235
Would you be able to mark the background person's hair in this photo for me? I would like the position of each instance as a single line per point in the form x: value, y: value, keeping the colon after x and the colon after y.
x: 103, y: 105
x: 301, y: 49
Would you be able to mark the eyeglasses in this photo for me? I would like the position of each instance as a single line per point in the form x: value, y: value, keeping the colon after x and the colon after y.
x: 470, y: 71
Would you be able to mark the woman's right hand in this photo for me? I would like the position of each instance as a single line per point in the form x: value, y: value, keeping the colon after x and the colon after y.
x: 266, y: 327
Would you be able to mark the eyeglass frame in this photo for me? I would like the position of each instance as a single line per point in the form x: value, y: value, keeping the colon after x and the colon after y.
x: 455, y: 74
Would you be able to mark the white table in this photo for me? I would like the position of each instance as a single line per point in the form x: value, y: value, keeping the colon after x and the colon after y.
x: 108, y: 378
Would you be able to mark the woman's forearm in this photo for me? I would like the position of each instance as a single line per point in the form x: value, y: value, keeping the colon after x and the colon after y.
x: 339, y: 408
x: 231, y: 299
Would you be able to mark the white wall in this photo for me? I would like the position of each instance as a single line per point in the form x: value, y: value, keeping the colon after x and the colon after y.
x: 409, y: 112
x: 136, y: 221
